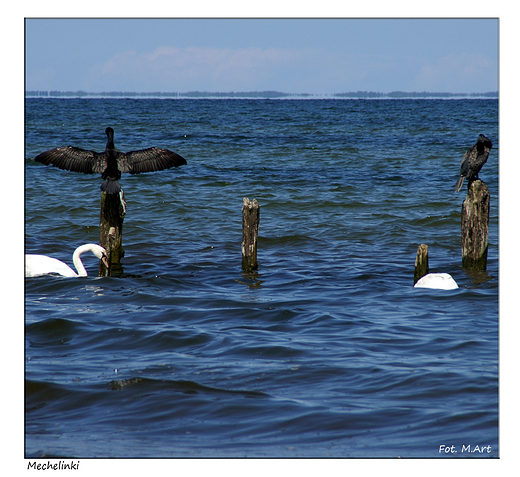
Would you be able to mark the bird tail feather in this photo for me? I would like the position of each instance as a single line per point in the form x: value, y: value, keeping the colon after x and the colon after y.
x: 459, y: 183
x: 110, y: 186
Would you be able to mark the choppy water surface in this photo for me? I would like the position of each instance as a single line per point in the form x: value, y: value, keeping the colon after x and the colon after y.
x: 327, y: 350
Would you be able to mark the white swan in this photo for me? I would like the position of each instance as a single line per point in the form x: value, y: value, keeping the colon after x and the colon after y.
x: 440, y: 281
x: 38, y: 265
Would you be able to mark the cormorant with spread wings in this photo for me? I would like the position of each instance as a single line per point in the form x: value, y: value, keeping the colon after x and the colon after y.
x: 111, y: 162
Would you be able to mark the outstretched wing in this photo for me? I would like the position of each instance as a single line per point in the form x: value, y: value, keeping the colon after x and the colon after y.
x: 148, y: 160
x: 74, y: 159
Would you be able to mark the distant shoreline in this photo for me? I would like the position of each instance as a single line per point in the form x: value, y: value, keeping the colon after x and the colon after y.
x: 260, y: 95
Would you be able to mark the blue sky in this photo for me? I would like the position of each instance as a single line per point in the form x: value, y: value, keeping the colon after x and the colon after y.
x: 319, y: 56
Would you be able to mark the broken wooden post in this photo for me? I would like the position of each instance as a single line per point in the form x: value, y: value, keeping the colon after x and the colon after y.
x: 421, y: 263
x: 113, y: 210
x: 250, y: 224
x: 474, y: 226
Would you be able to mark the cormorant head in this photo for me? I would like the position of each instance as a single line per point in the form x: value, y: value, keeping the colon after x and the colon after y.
x: 110, y: 134
x: 484, y: 141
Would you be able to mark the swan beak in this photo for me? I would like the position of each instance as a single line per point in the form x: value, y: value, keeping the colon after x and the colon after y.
x: 105, y: 261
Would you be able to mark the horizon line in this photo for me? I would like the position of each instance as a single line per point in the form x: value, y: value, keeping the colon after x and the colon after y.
x: 256, y: 94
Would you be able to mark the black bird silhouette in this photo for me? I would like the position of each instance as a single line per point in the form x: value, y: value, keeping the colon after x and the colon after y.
x: 111, y: 162
x: 475, y: 157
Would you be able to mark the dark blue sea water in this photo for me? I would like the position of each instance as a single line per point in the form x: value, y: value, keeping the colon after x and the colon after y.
x: 327, y: 350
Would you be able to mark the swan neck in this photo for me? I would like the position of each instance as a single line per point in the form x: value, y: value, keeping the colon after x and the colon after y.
x: 77, y: 260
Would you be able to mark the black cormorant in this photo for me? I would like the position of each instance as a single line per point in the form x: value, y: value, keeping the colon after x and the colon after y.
x: 475, y: 157
x: 111, y: 162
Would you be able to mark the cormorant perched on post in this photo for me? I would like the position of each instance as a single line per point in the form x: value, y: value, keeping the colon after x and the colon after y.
x: 475, y: 157
x: 111, y: 162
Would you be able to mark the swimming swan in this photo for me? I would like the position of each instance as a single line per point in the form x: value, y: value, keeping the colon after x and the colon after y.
x: 440, y: 281
x: 423, y: 279
x: 38, y: 265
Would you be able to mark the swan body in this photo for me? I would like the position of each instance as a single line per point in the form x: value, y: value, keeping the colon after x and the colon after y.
x: 111, y: 162
x: 439, y: 281
x: 38, y: 265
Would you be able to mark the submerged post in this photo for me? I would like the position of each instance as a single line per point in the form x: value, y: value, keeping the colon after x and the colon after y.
x: 421, y: 263
x: 113, y: 210
x: 474, y: 226
x: 250, y: 224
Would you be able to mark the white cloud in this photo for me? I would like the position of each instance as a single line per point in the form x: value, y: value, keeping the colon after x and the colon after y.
x: 291, y: 70
x: 457, y: 73
x: 211, y: 69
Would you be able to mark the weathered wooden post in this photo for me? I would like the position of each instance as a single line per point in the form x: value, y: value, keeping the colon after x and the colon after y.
x: 250, y: 224
x: 474, y: 226
x: 113, y: 210
x: 421, y: 263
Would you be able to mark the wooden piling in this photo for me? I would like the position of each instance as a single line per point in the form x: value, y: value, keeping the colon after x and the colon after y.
x: 421, y: 263
x: 250, y: 225
x: 111, y: 232
x: 474, y: 226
